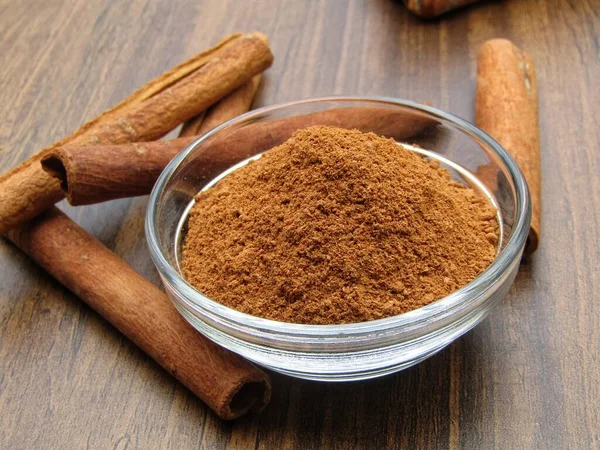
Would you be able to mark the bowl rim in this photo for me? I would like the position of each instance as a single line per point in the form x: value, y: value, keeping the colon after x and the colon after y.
x: 453, y: 301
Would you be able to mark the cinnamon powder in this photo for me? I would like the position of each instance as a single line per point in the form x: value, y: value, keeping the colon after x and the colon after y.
x: 337, y: 226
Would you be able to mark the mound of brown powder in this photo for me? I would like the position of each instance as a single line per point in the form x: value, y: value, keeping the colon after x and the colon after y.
x: 337, y: 226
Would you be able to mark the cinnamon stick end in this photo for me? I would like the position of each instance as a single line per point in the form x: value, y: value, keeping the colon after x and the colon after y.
x: 55, y: 167
x: 252, y: 395
x: 533, y: 240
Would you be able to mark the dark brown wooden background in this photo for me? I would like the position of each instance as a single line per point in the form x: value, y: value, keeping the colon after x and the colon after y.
x: 527, y: 377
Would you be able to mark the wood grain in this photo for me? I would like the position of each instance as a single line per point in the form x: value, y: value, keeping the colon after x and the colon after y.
x: 527, y: 377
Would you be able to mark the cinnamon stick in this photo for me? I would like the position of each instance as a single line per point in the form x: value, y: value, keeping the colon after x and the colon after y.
x: 100, y: 173
x: 230, y: 385
x: 507, y: 109
x: 148, y: 114
x: 230, y: 106
x: 432, y: 8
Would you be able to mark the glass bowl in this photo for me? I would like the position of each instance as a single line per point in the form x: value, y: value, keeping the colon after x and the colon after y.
x: 349, y: 351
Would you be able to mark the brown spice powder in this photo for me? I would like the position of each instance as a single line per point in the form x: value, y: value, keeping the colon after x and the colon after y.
x: 337, y: 226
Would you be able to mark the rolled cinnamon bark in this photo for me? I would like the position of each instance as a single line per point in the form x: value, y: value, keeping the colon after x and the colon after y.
x: 148, y: 114
x: 506, y: 107
x: 433, y: 8
x: 100, y: 173
x: 230, y: 385
x: 230, y: 106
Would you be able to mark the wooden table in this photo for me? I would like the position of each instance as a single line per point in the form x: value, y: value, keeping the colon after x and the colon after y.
x: 527, y: 377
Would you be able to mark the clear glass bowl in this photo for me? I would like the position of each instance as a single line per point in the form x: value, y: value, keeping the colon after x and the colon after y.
x: 349, y: 351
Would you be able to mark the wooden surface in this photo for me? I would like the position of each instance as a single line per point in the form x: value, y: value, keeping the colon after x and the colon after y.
x: 527, y: 377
